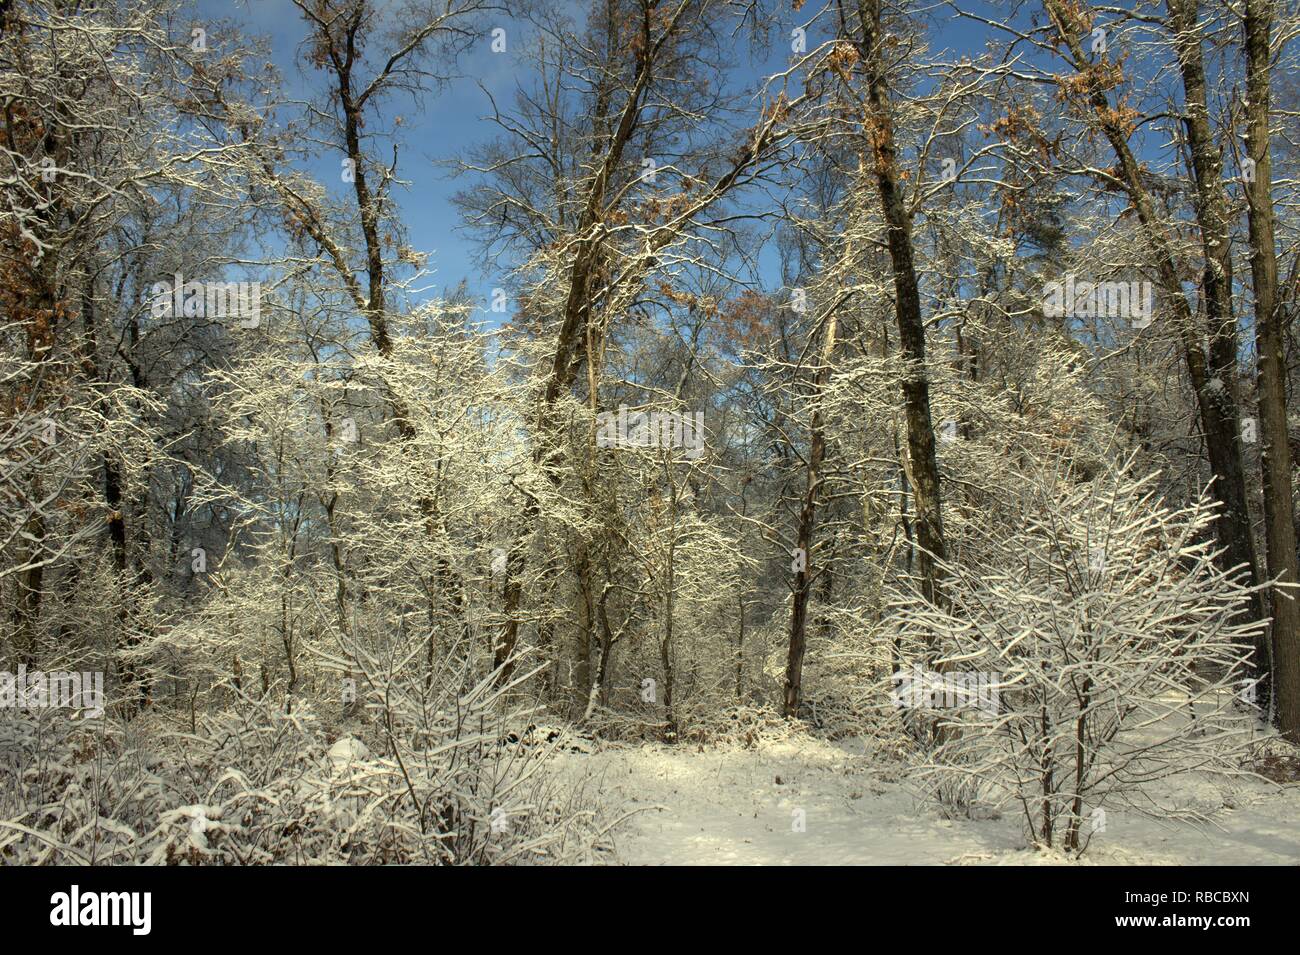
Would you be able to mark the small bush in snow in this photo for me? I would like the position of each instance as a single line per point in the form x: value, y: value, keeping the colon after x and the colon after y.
x: 1118, y: 648
x: 255, y: 785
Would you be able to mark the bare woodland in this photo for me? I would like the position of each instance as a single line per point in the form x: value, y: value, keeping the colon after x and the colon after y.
x: 364, y: 555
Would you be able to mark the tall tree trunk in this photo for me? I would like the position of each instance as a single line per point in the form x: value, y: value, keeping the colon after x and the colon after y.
x: 670, y: 586
x: 1213, y: 222
x: 1276, y: 453
x: 588, y: 254
x: 923, y: 466
x: 803, y: 580
x: 27, y: 606
x: 1216, y: 398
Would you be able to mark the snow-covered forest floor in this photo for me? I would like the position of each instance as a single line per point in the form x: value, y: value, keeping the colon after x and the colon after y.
x: 735, y: 805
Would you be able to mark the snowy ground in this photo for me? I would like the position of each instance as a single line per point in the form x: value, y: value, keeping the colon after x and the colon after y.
x: 734, y: 806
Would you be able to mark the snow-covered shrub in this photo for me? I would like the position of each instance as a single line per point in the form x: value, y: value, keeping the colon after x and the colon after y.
x: 255, y: 785
x: 285, y: 794
x: 75, y: 792
x: 1113, y: 653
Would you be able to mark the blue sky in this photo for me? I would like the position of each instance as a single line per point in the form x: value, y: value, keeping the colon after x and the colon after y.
x: 440, y: 127
x: 450, y: 120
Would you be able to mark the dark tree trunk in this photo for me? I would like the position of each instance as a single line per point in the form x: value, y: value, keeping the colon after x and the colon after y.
x: 803, y: 580
x: 1213, y: 222
x: 923, y: 464
x: 1216, y: 399
x: 1279, y: 523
